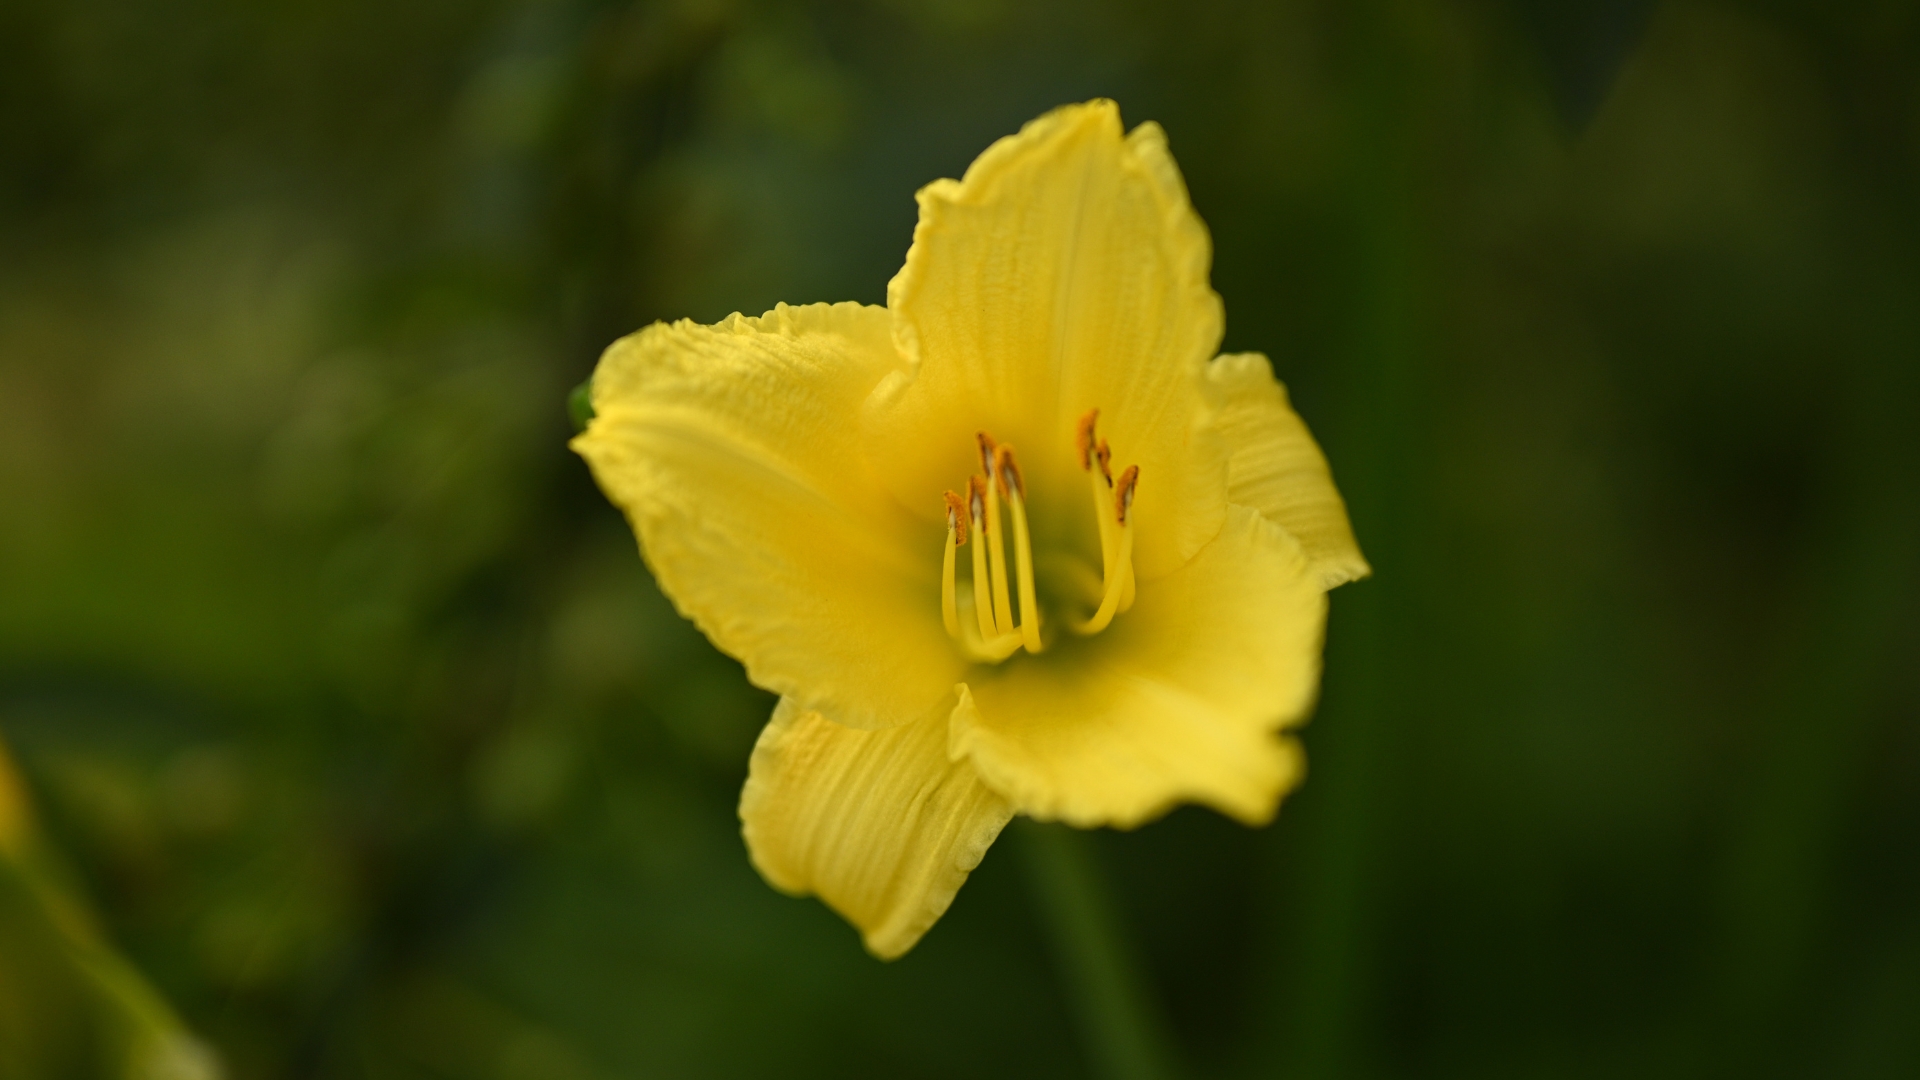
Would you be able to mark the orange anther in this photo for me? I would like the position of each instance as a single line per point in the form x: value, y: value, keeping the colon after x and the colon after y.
x: 957, y: 517
x: 1007, y: 471
x: 977, y: 499
x: 1123, y: 493
x: 986, y: 451
x: 1083, y: 437
x: 1103, y: 455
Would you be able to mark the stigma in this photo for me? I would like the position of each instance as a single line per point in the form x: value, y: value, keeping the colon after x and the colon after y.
x: 1000, y: 627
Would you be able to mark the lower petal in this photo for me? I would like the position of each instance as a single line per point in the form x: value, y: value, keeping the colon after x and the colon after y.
x: 1181, y: 700
x: 878, y: 824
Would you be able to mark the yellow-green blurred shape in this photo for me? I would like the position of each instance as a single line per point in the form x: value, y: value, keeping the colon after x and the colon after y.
x: 69, y: 1005
x: 13, y: 807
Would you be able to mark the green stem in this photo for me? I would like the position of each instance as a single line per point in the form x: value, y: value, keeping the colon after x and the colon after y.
x: 1125, y: 1035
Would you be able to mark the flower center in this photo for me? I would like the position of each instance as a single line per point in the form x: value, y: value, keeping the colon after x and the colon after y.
x: 1002, y: 628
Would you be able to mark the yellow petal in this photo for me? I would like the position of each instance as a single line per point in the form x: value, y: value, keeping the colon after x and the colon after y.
x: 1067, y: 271
x: 879, y: 824
x: 1181, y: 700
x: 1274, y: 466
x: 734, y: 452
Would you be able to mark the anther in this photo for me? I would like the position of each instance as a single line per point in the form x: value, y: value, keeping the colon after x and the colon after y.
x: 1007, y: 471
x: 957, y: 516
x: 986, y: 444
x: 1083, y: 439
x: 1104, y: 456
x: 1123, y: 494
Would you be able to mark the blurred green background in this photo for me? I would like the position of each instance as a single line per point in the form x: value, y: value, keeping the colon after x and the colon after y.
x: 349, y: 711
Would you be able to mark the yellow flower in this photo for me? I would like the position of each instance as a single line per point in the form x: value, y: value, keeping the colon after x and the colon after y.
x: 1123, y: 614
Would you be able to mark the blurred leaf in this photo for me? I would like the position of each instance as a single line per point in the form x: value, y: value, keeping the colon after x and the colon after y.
x: 68, y: 1004
x: 1583, y: 46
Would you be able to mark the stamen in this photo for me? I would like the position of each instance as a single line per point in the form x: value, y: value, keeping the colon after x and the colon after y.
x: 957, y: 516
x: 988, y: 646
x: 1092, y: 450
x: 1014, y: 487
x: 1102, y: 498
x: 982, y: 600
x: 996, y: 542
x: 1123, y: 494
x: 1007, y: 471
x: 992, y: 652
x: 1004, y: 628
x: 1122, y: 571
x: 1123, y: 507
x: 956, y: 536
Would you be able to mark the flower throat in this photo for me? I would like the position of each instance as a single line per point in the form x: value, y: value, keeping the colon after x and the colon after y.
x: 1002, y: 629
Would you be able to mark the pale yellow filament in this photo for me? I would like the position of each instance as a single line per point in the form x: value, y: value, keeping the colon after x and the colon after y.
x: 997, y: 555
x: 949, y: 609
x: 1118, y: 579
x: 992, y: 652
x: 1002, y: 631
x: 1023, y: 553
x: 1110, y: 603
x: 982, y: 601
x: 1093, y: 458
x: 1102, y: 503
x: 990, y: 646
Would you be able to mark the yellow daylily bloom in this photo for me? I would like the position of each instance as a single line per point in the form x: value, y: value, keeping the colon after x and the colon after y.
x: 1017, y: 542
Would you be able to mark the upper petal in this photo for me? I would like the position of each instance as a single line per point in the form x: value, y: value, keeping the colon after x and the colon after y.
x: 1274, y: 466
x: 1066, y: 271
x: 880, y: 824
x: 734, y: 451
x: 1180, y: 700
